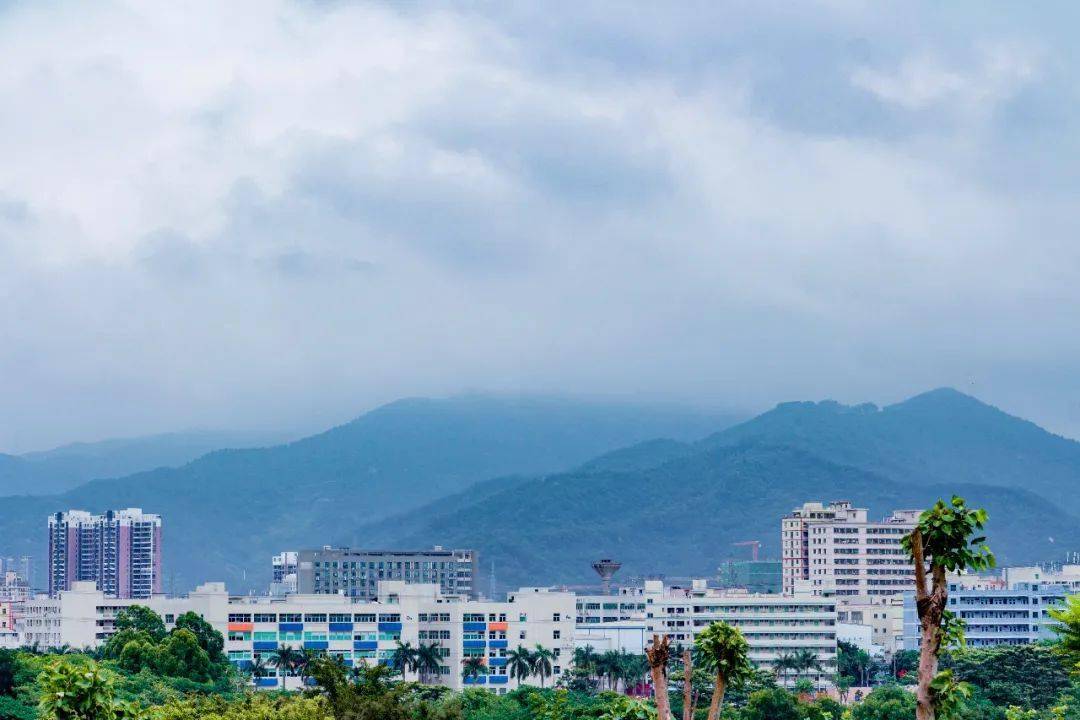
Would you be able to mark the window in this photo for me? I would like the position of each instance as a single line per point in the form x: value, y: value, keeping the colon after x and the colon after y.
x: 522, y: 635
x: 389, y: 617
x: 315, y: 617
x: 265, y: 617
x: 290, y: 617
x: 556, y: 617
x: 557, y: 634
x: 340, y: 617
x: 239, y: 617
x: 364, y: 617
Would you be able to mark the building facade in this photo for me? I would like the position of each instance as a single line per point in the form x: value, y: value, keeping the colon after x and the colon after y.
x: 756, y: 576
x: 352, y: 629
x: 283, y: 581
x: 1000, y: 616
x: 119, y: 550
x: 357, y: 573
x: 837, y: 550
x: 774, y: 625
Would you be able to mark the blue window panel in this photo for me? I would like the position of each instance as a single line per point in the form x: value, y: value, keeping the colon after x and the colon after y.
x: 348, y: 663
x: 497, y: 643
x: 317, y: 644
x: 472, y: 643
x: 341, y: 627
x: 389, y: 627
x: 498, y: 679
x: 266, y: 682
x: 264, y: 645
x: 474, y: 627
x: 496, y: 662
x: 290, y: 627
x: 365, y: 645
x: 478, y: 680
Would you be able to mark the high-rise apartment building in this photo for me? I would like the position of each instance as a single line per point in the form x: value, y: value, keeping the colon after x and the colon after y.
x: 119, y: 550
x: 357, y: 573
x: 836, y: 549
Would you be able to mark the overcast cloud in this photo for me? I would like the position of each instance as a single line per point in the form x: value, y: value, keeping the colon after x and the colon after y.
x: 275, y: 214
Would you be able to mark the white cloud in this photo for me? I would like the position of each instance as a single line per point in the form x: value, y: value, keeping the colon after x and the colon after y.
x: 269, y: 213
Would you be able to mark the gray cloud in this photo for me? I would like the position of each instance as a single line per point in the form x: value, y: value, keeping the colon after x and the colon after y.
x: 278, y: 214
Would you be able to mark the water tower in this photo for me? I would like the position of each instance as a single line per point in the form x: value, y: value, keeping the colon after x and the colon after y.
x: 606, y: 568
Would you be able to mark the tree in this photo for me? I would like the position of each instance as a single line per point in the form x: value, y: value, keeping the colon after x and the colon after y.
x: 585, y: 658
x: 724, y: 649
x: 180, y: 655
x: 541, y: 662
x: 428, y: 660
x: 115, y: 645
x: 519, y: 663
x: 688, y: 684
x: 9, y: 663
x: 658, y: 655
x: 141, y: 618
x: 783, y: 663
x: 473, y: 667
x: 284, y: 660
x: 138, y: 654
x: 853, y: 662
x: 806, y: 660
x: 775, y: 704
x: 404, y: 658
x: 890, y: 702
x: 208, y: 638
x: 1068, y: 632
x: 1031, y: 676
x: 81, y: 691
x: 945, y: 539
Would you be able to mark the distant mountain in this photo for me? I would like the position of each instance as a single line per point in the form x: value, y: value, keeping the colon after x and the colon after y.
x: 681, y: 517
x: 942, y: 436
x: 227, y: 512
x: 60, y: 469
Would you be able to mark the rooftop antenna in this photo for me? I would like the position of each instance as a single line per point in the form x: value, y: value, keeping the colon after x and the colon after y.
x: 491, y: 580
x: 606, y: 568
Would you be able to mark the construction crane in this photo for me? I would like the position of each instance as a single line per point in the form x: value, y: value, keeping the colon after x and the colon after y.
x: 755, y: 546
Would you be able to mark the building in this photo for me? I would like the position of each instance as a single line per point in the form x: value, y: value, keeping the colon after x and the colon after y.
x: 357, y: 573
x: 756, y: 576
x: 14, y: 587
x: 355, y: 630
x: 882, y: 616
x: 119, y: 550
x: 284, y: 574
x: 9, y: 636
x: 773, y: 625
x: 838, y: 550
x: 999, y: 616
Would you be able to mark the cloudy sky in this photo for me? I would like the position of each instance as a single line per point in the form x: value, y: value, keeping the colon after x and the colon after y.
x: 275, y: 214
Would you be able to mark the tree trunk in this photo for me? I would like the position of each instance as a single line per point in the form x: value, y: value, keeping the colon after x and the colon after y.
x: 717, y: 698
x: 657, y: 655
x: 930, y: 603
x: 688, y: 686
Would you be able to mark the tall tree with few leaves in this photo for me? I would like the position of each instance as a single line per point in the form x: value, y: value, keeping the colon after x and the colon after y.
x: 658, y: 655
x: 724, y: 650
x: 947, y: 538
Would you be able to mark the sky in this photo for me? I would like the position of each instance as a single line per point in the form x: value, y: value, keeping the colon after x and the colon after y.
x: 275, y: 215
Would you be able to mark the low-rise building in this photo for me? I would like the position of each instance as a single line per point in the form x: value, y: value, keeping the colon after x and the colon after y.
x: 357, y: 573
x: 774, y: 625
x: 351, y: 629
x: 1000, y: 616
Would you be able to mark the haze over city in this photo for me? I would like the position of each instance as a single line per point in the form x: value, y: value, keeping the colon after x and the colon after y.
x: 275, y: 216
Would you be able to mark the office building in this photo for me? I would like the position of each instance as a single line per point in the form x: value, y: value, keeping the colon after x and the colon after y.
x: 837, y: 550
x: 119, y: 550
x: 1015, y: 615
x: 352, y: 629
x: 357, y: 573
x: 284, y: 580
x: 773, y: 625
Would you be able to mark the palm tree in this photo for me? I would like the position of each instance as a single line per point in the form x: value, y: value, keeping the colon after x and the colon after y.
x: 284, y: 660
x: 804, y: 661
x: 473, y: 667
x: 585, y: 658
x: 783, y: 663
x: 607, y: 666
x: 404, y: 657
x: 726, y: 651
x: 258, y: 667
x: 519, y: 663
x: 428, y: 660
x: 541, y: 662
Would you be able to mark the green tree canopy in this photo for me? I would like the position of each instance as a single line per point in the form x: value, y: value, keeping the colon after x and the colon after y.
x: 209, y: 639
x: 140, y: 617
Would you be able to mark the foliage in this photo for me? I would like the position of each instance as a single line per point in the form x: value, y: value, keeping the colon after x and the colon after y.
x: 253, y: 706
x: 890, y: 702
x: 775, y: 704
x: 950, y: 537
x: 1067, y: 629
x: 949, y: 694
x: 140, y: 618
x: 81, y: 691
x: 1030, y: 676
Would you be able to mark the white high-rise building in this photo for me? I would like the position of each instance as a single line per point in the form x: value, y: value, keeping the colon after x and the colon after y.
x: 836, y: 549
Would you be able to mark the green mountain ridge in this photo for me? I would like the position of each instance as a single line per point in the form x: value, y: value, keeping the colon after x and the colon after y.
x: 227, y: 512
x: 681, y: 517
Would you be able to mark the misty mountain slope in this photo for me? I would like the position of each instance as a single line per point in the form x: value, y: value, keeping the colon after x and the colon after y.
x: 682, y: 517
x: 65, y: 467
x: 942, y: 436
x: 228, y: 511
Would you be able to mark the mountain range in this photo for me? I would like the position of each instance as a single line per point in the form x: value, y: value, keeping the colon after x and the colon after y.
x: 545, y: 487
